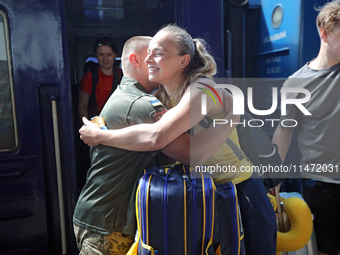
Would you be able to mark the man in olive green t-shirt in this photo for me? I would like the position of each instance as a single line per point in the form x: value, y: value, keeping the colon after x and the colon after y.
x: 104, y: 217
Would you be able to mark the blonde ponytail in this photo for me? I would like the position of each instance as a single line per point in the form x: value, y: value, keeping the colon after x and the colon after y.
x: 201, y: 62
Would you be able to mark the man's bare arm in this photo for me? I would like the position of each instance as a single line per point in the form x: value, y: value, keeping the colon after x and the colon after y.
x: 283, y: 137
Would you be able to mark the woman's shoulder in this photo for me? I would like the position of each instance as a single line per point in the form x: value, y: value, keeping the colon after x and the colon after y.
x: 206, y: 85
x: 203, y: 81
x: 87, y: 75
x: 86, y: 80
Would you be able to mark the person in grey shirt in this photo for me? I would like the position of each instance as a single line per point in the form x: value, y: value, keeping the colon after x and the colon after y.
x: 318, y: 138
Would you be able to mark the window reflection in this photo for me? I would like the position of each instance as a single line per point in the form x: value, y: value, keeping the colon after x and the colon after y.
x: 7, y: 127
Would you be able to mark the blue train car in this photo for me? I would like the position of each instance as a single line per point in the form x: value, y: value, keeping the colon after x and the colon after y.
x: 285, y: 39
x: 288, y: 37
x: 43, y: 47
x: 37, y: 176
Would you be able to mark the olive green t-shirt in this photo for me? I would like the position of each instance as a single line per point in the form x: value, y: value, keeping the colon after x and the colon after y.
x: 107, y: 201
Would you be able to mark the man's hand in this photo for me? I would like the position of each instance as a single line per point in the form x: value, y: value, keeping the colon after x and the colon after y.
x: 89, y: 132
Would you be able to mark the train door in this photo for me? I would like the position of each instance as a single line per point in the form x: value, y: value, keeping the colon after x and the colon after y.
x: 37, y: 179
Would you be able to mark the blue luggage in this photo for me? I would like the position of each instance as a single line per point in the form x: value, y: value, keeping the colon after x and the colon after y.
x: 228, y: 231
x: 175, y: 213
x: 179, y: 212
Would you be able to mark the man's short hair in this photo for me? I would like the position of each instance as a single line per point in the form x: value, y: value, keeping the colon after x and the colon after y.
x: 329, y: 16
x: 133, y: 45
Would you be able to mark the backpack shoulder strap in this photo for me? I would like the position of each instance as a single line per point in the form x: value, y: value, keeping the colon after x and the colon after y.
x: 92, y: 106
x: 206, y: 123
x: 95, y: 78
x: 117, y: 75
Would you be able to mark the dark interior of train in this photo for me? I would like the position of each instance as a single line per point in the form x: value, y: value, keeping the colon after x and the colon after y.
x: 88, y: 20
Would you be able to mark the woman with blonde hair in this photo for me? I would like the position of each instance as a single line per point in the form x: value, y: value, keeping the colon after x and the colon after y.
x: 184, y: 68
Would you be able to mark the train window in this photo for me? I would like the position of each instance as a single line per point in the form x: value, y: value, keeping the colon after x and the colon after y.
x: 277, y: 16
x: 8, y: 137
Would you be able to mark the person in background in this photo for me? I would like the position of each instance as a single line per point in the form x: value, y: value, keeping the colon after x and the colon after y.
x: 97, y: 85
x: 318, y: 138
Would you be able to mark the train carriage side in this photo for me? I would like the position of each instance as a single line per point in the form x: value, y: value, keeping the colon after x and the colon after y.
x: 42, y: 49
x: 43, y: 44
x: 283, y: 38
x: 37, y: 178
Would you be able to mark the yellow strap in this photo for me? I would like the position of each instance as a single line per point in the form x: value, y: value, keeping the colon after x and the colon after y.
x: 238, y: 221
x: 173, y: 164
x: 184, y: 170
x: 213, y: 209
x: 218, y: 251
x: 213, y: 217
x: 147, y: 211
x: 145, y: 246
x: 206, y: 249
x: 204, y: 211
x: 133, y: 250
x: 137, y: 211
